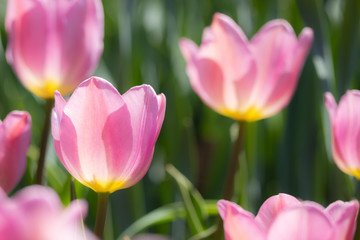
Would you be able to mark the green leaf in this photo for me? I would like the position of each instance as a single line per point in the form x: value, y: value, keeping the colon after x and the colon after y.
x: 192, y: 199
x: 165, y: 214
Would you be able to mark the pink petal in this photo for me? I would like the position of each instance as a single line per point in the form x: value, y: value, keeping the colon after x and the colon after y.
x: 228, y: 48
x: 285, y: 86
x: 15, y: 135
x: 238, y: 223
x: 82, y: 138
x: 142, y: 103
x: 301, y: 223
x: 274, y: 47
x: 27, y: 36
x: 344, y: 215
x: 346, y: 133
x: 273, y: 206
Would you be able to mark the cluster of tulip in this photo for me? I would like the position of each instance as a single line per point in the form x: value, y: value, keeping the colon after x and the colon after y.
x: 106, y: 140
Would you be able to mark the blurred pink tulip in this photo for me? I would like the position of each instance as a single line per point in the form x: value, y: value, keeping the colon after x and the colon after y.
x: 36, y: 213
x: 345, y: 126
x: 54, y: 44
x: 15, y: 135
x: 283, y: 217
x: 105, y: 140
x: 246, y: 80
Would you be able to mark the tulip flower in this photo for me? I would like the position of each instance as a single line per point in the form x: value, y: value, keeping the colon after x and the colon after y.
x: 36, y: 212
x: 345, y: 126
x: 54, y: 44
x: 246, y: 80
x: 283, y: 217
x: 104, y: 139
x: 15, y: 135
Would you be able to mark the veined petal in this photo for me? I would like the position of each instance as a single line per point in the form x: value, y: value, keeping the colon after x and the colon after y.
x: 301, y: 223
x: 142, y: 103
x: 15, y: 135
x: 83, y: 121
x: 238, y: 223
x: 346, y: 133
x: 344, y: 215
x: 273, y: 206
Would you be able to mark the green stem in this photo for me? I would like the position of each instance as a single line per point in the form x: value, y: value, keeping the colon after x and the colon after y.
x: 101, y: 214
x: 72, y: 190
x: 234, y: 164
x: 44, y: 140
x: 230, y: 180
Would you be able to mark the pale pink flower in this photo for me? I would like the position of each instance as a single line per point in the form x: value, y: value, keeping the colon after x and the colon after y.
x: 283, y: 217
x: 345, y: 128
x: 242, y: 79
x: 104, y: 139
x: 36, y: 213
x: 54, y: 44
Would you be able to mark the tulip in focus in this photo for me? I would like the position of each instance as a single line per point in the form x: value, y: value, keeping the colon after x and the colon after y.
x: 345, y: 126
x: 246, y: 80
x: 15, y: 135
x: 36, y: 213
x: 104, y: 139
x: 54, y: 44
x: 283, y: 217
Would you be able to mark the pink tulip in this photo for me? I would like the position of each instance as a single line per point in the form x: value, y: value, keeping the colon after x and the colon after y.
x: 246, y: 80
x: 54, y: 44
x: 283, y: 217
x: 36, y: 213
x: 345, y: 126
x: 104, y: 139
x: 15, y: 134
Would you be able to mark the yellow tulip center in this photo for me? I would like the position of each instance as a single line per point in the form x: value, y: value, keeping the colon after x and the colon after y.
x: 251, y: 115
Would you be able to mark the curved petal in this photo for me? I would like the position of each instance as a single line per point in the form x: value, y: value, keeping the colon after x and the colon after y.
x: 285, y: 86
x: 273, y: 48
x: 346, y: 134
x: 238, y: 223
x: 142, y: 103
x: 344, y: 214
x: 82, y: 125
x: 273, y: 206
x: 300, y: 223
x: 227, y: 47
x: 16, y: 135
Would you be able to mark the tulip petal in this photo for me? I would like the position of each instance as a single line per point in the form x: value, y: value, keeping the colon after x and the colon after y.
x: 346, y: 131
x: 26, y: 44
x: 273, y: 48
x: 227, y: 46
x: 82, y: 136
x: 238, y: 223
x: 344, y: 215
x: 142, y: 103
x: 161, y: 113
x: 300, y: 223
x: 15, y: 135
x: 284, y: 88
x: 273, y: 206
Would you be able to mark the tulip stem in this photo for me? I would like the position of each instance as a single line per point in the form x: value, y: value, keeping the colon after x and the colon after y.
x: 101, y: 214
x: 44, y: 140
x: 72, y: 189
x: 234, y: 164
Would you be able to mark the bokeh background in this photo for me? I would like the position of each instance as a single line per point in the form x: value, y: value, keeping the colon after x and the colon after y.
x: 288, y: 153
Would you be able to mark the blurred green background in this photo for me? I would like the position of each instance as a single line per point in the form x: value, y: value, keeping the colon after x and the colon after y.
x: 288, y: 153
